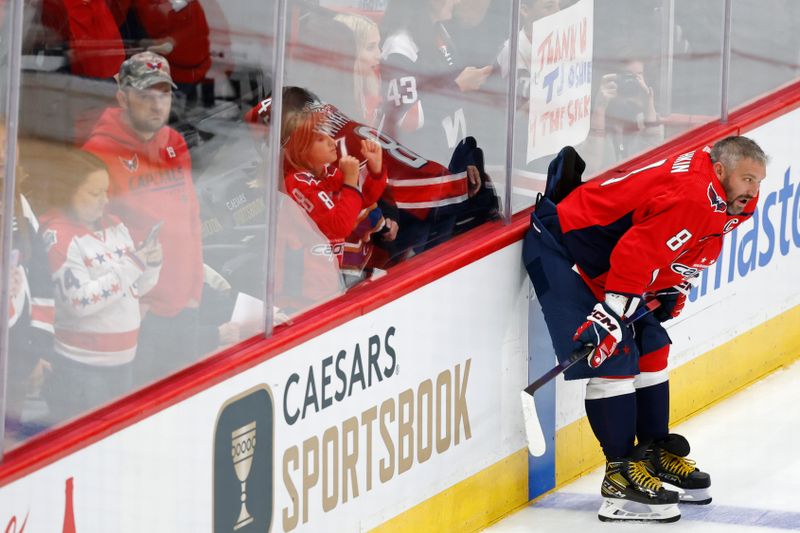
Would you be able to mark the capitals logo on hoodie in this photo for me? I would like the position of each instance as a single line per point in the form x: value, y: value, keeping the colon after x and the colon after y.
x: 151, y: 183
x: 131, y: 164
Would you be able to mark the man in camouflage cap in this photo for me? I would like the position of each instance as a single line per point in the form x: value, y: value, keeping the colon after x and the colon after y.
x: 144, y: 70
x: 151, y: 187
x: 145, y: 92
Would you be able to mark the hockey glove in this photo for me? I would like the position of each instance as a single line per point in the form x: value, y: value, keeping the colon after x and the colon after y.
x: 672, y: 301
x: 603, y: 327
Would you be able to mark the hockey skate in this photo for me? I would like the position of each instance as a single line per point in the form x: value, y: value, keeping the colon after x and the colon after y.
x: 632, y: 494
x: 666, y: 459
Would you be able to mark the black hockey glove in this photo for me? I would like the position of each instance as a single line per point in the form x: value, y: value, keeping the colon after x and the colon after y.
x: 672, y: 301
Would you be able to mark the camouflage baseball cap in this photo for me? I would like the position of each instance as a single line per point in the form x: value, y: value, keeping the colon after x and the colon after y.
x: 144, y: 70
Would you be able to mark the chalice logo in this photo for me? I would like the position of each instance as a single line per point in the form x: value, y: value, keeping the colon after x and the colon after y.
x: 243, y: 477
x: 243, y: 446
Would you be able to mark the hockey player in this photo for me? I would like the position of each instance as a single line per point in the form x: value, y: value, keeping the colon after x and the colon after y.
x: 608, y: 245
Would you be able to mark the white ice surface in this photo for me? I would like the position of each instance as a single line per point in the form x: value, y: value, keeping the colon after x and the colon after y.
x: 749, y: 443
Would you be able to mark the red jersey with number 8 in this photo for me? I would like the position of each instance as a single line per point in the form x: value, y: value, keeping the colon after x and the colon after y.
x: 415, y: 184
x: 650, y: 228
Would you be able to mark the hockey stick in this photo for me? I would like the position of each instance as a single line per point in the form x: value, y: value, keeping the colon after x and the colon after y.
x: 533, y: 429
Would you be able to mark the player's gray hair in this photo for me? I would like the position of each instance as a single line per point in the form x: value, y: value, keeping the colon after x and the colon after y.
x: 731, y: 149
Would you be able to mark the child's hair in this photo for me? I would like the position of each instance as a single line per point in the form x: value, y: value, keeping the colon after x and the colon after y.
x: 66, y: 177
x: 299, y: 131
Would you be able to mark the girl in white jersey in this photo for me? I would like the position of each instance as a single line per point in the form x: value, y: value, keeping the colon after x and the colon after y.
x: 98, y: 274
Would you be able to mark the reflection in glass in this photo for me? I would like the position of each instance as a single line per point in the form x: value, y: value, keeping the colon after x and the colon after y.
x: 156, y: 251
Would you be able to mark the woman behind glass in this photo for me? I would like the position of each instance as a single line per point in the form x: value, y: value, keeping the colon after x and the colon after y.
x: 98, y: 274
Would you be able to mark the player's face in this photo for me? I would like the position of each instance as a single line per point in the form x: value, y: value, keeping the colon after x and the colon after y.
x: 91, y: 198
x: 322, y: 151
x: 741, y: 184
x: 370, y: 54
x: 148, y: 109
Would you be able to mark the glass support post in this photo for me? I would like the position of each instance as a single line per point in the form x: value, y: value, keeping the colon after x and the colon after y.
x: 513, y: 44
x: 667, y: 60
x: 11, y: 112
x: 272, y: 165
x: 726, y: 61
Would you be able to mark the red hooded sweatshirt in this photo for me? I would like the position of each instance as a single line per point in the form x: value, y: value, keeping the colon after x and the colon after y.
x: 151, y: 182
x: 92, y: 33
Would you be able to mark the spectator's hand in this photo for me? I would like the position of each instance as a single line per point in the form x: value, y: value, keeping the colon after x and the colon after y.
x: 279, y: 317
x: 473, y: 179
x: 601, y: 329
x: 150, y: 253
x: 672, y: 301
x: 349, y: 167
x: 229, y: 333
x: 608, y: 89
x: 39, y: 376
x: 391, y: 233
x: 472, y: 78
x: 373, y: 153
x: 646, y: 89
x: 162, y: 47
x: 154, y: 253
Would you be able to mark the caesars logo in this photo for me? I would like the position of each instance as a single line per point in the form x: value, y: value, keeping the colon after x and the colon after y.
x: 384, y: 435
x: 243, y: 466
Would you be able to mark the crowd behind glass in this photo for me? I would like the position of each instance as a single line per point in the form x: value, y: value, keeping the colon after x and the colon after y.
x: 139, y: 215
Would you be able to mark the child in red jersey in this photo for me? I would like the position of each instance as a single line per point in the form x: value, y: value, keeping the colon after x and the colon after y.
x: 341, y: 200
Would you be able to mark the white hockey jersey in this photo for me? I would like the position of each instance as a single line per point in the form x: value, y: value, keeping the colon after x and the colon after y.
x: 97, y: 282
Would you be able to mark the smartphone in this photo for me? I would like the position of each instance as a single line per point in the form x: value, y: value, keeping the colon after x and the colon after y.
x: 14, y: 258
x: 153, y: 235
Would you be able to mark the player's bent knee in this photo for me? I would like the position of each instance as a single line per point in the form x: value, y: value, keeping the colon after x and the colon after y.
x: 599, y: 388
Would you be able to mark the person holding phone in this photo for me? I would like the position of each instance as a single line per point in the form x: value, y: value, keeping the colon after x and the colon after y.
x: 99, y: 275
x: 151, y: 182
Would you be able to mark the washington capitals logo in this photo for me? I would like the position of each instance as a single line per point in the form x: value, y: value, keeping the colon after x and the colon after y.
x: 717, y: 203
x: 730, y: 225
x: 155, y: 65
x: 131, y: 164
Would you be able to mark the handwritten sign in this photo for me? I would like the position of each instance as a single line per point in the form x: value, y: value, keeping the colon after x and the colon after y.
x: 561, y: 80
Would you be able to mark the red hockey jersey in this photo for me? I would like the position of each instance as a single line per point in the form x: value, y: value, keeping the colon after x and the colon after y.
x: 648, y: 229
x: 151, y: 182
x: 415, y: 183
x: 339, y: 210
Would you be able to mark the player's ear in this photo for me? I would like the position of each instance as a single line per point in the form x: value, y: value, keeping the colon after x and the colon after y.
x: 719, y: 169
